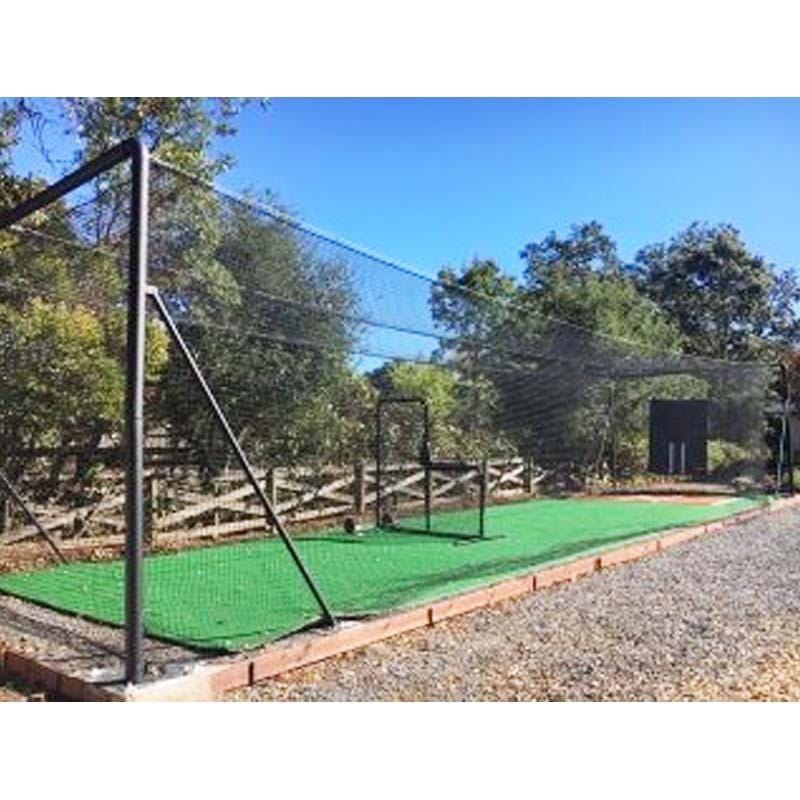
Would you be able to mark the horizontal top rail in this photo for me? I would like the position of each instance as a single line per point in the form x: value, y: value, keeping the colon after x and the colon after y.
x: 130, y: 149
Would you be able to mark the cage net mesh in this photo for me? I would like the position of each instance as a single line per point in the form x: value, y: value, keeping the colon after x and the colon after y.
x: 417, y: 491
x: 63, y: 318
x: 299, y: 336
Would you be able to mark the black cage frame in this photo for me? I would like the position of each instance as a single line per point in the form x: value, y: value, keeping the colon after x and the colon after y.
x: 135, y: 152
x: 429, y: 466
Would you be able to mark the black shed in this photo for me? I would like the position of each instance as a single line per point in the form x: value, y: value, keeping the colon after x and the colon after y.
x: 679, y: 437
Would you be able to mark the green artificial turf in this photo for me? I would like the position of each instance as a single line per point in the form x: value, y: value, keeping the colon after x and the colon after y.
x: 236, y: 596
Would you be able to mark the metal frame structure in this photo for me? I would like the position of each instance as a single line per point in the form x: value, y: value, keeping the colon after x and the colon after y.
x: 428, y: 464
x: 383, y: 402
x: 785, y: 458
x: 135, y: 152
x: 219, y: 415
x: 11, y: 491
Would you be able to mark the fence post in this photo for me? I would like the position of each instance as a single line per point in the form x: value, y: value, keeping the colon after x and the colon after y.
x: 215, y: 488
x: 528, y: 473
x: 359, y: 489
x: 5, y: 513
x: 484, y: 495
x: 152, y: 507
x: 271, y: 489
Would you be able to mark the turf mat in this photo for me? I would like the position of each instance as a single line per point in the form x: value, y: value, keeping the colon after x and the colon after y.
x: 236, y: 596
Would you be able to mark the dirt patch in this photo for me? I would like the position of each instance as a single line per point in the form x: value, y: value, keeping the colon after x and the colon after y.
x: 681, y: 499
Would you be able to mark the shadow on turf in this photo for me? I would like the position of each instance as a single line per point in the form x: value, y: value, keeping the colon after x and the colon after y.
x: 420, y: 589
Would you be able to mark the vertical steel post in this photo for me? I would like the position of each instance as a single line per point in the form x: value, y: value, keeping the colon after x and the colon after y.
x: 789, y: 450
x: 428, y: 476
x: 785, y: 455
x: 359, y: 489
x: 134, y: 418
x: 612, y: 421
x: 378, y: 476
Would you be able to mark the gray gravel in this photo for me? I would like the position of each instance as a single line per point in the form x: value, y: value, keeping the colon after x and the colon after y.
x: 716, y: 618
x: 80, y: 647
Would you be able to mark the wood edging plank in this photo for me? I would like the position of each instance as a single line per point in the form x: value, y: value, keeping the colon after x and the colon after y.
x: 27, y: 670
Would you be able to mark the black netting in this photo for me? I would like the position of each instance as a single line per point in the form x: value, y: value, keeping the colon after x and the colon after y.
x: 301, y: 338
x: 63, y: 282
x: 301, y: 335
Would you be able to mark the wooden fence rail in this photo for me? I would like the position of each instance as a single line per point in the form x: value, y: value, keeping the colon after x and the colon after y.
x: 302, y: 496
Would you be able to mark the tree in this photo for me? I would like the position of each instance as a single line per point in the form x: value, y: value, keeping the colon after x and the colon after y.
x: 62, y: 279
x: 62, y: 335
x: 472, y: 310
x: 9, y: 137
x: 549, y: 364
x: 435, y: 384
x: 184, y: 131
x: 725, y: 299
x: 13, y: 188
x: 273, y: 332
x: 471, y: 304
x: 61, y: 388
x: 605, y: 351
x: 587, y: 250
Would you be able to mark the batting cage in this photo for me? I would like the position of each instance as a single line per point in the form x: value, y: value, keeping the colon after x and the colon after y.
x: 220, y: 426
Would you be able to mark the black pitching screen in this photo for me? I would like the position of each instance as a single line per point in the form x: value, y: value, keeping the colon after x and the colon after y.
x: 679, y: 437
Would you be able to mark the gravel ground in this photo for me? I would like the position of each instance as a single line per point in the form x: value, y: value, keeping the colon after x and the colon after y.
x: 714, y: 619
x: 78, y: 646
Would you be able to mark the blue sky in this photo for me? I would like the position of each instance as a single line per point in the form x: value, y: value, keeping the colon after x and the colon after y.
x: 436, y: 181
x: 430, y: 181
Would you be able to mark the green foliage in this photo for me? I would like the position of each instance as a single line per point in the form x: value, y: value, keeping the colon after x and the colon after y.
x: 471, y: 305
x: 62, y: 287
x: 271, y: 330
x: 569, y: 359
x: 723, y: 298
x: 724, y: 456
x: 61, y: 386
x: 588, y: 249
x: 181, y: 130
x: 13, y: 188
x: 433, y: 383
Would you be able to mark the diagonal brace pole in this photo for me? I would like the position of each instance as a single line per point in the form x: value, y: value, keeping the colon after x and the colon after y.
x: 271, y: 514
x: 17, y: 498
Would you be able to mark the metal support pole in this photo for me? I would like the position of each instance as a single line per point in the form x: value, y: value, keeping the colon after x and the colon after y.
x: 359, y: 489
x: 272, y: 516
x: 428, y: 475
x: 789, y: 456
x: 134, y: 419
x: 134, y: 151
x: 378, y: 475
x: 17, y: 498
x: 786, y: 456
x: 613, y: 424
x: 91, y: 169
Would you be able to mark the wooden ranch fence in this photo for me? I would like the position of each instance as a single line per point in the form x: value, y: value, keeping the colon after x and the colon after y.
x: 303, y: 497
